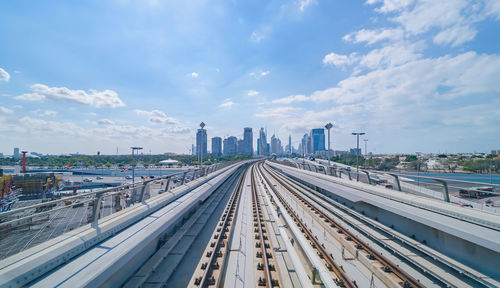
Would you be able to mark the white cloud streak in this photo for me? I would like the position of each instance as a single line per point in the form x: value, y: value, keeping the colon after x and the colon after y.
x: 4, y: 76
x: 100, y: 99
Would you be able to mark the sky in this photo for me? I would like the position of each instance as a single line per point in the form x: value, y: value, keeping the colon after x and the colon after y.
x: 88, y: 76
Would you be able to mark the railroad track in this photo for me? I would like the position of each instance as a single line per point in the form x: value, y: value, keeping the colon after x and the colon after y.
x: 265, y: 252
x: 385, y: 265
x: 441, y: 269
x: 210, y: 269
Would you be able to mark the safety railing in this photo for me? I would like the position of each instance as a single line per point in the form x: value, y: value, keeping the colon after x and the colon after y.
x: 445, y: 189
x: 24, y: 227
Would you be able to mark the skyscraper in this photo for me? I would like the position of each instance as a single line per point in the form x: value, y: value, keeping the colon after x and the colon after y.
x: 248, y: 141
x: 230, y: 145
x: 216, y: 146
x: 16, y: 153
x: 289, y: 150
x: 275, y: 145
x: 201, y: 143
x: 240, y: 147
x: 318, y: 139
x: 263, y: 146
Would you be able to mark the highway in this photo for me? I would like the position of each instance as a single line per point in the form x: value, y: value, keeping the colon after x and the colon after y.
x: 261, y: 223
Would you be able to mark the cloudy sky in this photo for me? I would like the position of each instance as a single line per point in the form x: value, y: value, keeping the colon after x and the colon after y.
x: 415, y: 75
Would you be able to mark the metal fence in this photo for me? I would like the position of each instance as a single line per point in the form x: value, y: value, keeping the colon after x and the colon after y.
x: 32, y: 222
x: 444, y: 189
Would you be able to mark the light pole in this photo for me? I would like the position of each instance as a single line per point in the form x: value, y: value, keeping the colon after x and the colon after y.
x: 366, y: 151
x: 328, y: 127
x: 202, y: 125
x: 133, y: 167
x: 357, y: 152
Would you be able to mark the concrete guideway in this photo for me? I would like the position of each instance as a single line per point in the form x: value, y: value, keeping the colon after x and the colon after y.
x: 28, y: 265
x: 403, y: 216
x: 262, y: 224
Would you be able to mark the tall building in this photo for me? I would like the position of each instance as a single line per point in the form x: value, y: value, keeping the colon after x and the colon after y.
x: 216, y: 146
x: 276, y: 145
x: 16, y: 153
x: 289, y: 150
x: 201, y: 143
x: 240, y: 147
x: 263, y: 148
x: 230, y: 145
x: 248, y: 141
x: 318, y: 139
x: 306, y: 145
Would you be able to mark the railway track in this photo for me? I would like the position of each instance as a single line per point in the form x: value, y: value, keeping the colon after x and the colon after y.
x: 210, y: 269
x: 442, y: 270
x: 262, y: 242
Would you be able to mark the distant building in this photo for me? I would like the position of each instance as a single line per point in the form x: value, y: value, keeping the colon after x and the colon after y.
x: 306, y: 145
x: 193, y: 150
x: 16, y: 153
x: 355, y: 151
x: 276, y: 146
x: 289, y: 148
x: 240, y: 147
x: 263, y: 146
x: 495, y: 152
x: 318, y: 139
x: 216, y: 146
x: 230, y: 145
x: 248, y: 141
x: 201, y: 143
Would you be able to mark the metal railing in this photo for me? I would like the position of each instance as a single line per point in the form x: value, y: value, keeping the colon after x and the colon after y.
x: 439, y: 188
x: 24, y: 227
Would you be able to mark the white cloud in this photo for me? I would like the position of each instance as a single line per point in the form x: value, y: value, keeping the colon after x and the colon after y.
x: 391, y: 5
x: 339, y: 60
x: 392, y: 55
x: 373, y: 36
x: 4, y: 110
x: 456, y: 35
x: 106, y: 98
x: 264, y: 73
x: 261, y: 34
x: 304, y: 3
x: 252, y: 93
x: 92, y: 114
x: 4, y: 76
x: 194, y: 75
x: 259, y: 75
x: 105, y: 122
x: 157, y: 117
x: 291, y: 99
x: 49, y: 113
x: 227, y: 104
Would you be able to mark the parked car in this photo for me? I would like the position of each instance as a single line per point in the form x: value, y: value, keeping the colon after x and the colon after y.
x: 128, y: 177
x: 87, y: 180
x: 99, y: 177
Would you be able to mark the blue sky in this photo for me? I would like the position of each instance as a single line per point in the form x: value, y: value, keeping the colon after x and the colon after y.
x: 92, y: 76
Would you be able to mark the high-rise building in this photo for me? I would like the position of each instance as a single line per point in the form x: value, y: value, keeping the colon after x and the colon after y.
x: 240, y: 147
x: 290, y: 149
x: 248, y: 141
x: 263, y: 145
x: 318, y: 139
x: 201, y: 143
x: 16, y: 153
x: 276, y: 145
x: 216, y: 146
x: 230, y: 145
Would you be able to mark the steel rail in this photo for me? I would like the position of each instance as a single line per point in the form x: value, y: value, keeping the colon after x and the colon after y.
x: 226, y: 218
x: 405, y: 277
x: 342, y: 279
x: 257, y: 211
x: 384, y: 230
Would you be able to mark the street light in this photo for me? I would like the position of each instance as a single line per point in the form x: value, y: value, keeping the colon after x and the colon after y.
x: 133, y: 167
x: 357, y: 152
x: 366, y: 152
x: 328, y: 127
x: 202, y: 125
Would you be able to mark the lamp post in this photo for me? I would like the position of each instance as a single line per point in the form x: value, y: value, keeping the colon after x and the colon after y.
x: 202, y: 125
x: 133, y: 167
x: 357, y: 152
x: 328, y: 127
x: 366, y: 151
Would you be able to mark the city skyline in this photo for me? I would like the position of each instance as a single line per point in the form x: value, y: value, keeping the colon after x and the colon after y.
x: 105, y: 76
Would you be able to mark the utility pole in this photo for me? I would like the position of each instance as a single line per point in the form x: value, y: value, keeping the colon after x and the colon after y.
x: 133, y: 168
x: 357, y: 134
x: 328, y: 127
x: 366, y: 151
